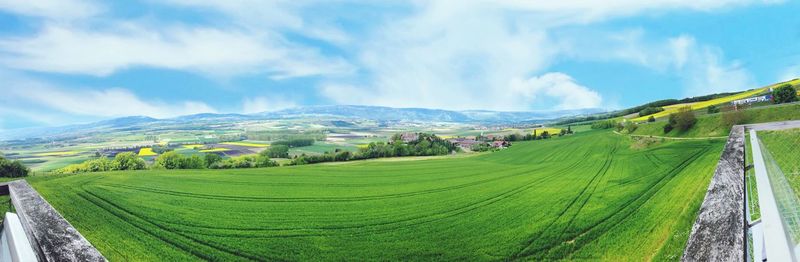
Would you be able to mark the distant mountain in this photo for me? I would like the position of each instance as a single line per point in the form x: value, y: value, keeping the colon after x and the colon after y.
x: 371, y: 113
x: 335, y: 112
x: 421, y: 114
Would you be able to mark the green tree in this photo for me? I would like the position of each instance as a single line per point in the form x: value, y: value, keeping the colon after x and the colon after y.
x: 192, y: 162
x: 784, y: 94
x: 129, y: 161
x: 169, y: 160
x: 15, y: 168
x: 651, y: 119
x: 682, y: 120
x: 211, y: 159
x: 277, y: 151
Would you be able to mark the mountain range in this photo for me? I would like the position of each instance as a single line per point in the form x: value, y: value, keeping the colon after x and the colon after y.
x: 355, y: 112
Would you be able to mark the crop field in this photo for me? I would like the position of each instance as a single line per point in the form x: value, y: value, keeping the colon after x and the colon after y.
x: 147, y: 151
x: 217, y: 149
x: 585, y: 196
x: 243, y: 143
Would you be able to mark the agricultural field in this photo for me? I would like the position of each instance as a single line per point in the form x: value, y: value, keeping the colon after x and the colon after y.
x: 593, y: 195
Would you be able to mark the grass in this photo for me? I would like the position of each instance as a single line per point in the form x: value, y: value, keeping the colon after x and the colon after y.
x: 193, y: 146
x: 712, y: 125
x: 147, y: 151
x: 782, y: 145
x: 752, y: 189
x: 723, y: 100
x: 247, y: 144
x: 588, y: 196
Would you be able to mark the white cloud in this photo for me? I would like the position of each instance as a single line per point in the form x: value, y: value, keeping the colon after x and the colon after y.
x: 211, y: 51
x: 264, y: 104
x: 710, y: 73
x: 556, y: 86
x: 52, y: 9
x: 111, y: 102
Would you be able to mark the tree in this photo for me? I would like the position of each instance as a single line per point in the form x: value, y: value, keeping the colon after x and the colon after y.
x: 650, y: 110
x: 784, y: 94
x: 15, y: 168
x: 192, y: 162
x: 651, y: 119
x: 129, y: 161
x: 683, y: 120
x: 169, y: 160
x: 211, y: 159
x: 277, y: 151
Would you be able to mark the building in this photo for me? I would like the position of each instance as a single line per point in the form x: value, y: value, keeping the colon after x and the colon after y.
x: 409, y: 137
x: 500, y: 144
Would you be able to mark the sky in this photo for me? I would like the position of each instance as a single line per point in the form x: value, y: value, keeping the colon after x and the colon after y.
x: 77, y: 61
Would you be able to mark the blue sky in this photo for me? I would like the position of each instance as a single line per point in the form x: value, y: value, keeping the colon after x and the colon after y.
x: 68, y: 61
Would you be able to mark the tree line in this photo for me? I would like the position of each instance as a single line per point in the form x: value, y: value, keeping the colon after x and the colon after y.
x: 424, y: 145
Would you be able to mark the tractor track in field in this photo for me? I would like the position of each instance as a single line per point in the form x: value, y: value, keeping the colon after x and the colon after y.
x: 646, y: 196
x: 100, y: 202
x: 436, y: 217
x: 321, y: 199
x: 531, y: 241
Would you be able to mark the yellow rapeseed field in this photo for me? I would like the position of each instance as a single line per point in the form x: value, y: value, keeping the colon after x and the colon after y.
x: 146, y: 151
x: 60, y: 153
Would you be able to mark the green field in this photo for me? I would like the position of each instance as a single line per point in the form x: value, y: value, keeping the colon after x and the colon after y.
x: 586, y: 196
x: 782, y: 146
x: 713, y: 126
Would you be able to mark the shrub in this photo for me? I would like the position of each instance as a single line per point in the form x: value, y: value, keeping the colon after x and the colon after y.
x: 651, y: 119
x: 620, y: 127
x: 667, y: 128
x: 15, y: 168
x: 630, y: 127
x: 733, y: 118
x: 650, y: 110
x: 683, y: 120
x: 784, y: 94
x: 712, y: 109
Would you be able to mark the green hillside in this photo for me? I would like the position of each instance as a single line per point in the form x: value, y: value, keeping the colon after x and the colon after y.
x: 586, y: 196
x: 713, y: 125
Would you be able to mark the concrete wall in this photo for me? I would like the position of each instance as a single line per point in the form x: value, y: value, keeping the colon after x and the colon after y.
x: 718, y: 233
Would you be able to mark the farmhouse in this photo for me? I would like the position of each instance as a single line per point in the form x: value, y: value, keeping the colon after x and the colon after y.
x: 500, y: 144
x: 409, y: 137
x: 464, y: 143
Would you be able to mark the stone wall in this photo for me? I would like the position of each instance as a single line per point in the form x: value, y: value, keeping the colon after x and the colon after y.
x: 718, y: 233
